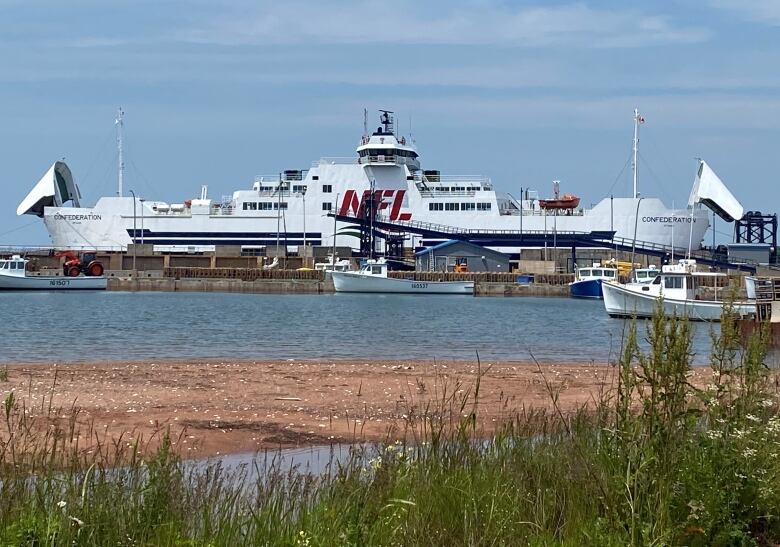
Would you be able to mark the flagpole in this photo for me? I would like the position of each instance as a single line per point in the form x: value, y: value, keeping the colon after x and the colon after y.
x: 636, y: 144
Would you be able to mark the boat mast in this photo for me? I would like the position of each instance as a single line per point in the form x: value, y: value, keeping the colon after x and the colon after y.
x: 637, y: 119
x: 121, y: 175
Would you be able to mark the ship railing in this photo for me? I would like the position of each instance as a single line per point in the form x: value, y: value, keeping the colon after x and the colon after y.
x: 219, y: 210
x: 483, y: 182
x: 334, y: 161
x: 273, y: 193
x: 538, y: 212
x: 445, y: 194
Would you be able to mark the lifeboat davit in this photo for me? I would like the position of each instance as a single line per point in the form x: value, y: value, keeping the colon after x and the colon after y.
x: 566, y: 201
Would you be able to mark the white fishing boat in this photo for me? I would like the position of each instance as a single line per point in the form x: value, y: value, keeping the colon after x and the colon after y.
x: 372, y: 277
x: 644, y: 275
x: 14, y: 277
x: 681, y: 289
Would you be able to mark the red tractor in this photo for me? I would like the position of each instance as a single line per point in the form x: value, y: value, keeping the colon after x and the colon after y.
x: 76, y: 264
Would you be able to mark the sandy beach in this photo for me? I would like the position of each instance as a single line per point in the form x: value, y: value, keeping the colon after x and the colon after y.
x: 218, y: 407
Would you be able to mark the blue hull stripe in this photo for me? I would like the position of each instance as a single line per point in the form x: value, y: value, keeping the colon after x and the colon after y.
x: 223, y: 235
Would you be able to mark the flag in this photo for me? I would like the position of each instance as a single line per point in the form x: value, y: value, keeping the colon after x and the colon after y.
x: 641, y: 119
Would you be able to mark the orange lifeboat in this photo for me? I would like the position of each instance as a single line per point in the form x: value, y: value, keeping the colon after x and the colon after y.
x: 566, y: 201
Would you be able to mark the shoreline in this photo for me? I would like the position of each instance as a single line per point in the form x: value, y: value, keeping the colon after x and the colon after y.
x: 216, y: 407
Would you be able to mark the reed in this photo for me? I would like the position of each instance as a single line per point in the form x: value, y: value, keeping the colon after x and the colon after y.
x: 654, y: 460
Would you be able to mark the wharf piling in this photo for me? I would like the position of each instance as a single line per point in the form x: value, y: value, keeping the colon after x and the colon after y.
x: 257, y: 280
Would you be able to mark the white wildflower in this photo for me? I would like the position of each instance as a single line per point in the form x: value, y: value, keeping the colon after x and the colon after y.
x: 749, y: 452
x: 766, y: 403
x: 713, y: 434
x: 61, y: 504
x: 753, y: 418
x: 76, y: 521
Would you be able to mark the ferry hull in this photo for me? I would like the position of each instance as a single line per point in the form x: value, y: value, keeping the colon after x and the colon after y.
x: 620, y: 301
x: 46, y: 283
x: 589, y: 288
x: 356, y: 282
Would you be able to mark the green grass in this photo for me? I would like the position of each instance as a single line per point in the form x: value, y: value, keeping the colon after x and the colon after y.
x: 654, y: 461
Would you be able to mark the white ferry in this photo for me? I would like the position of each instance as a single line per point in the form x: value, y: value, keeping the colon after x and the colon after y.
x: 291, y: 209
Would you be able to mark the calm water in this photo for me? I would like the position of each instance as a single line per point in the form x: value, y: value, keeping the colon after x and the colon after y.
x: 114, y: 326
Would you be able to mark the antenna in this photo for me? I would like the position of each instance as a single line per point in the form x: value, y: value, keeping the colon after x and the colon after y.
x: 386, y: 119
x: 119, y: 122
x: 365, y: 121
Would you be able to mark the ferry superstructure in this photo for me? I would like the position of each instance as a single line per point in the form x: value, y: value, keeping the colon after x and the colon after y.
x: 292, y: 208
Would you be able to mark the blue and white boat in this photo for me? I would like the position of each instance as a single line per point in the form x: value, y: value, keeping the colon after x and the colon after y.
x: 587, y: 281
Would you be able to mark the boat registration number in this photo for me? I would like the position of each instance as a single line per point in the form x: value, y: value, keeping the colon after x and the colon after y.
x: 419, y: 285
x: 59, y: 283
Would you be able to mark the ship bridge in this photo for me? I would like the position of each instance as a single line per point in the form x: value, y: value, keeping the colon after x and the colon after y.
x: 384, y: 147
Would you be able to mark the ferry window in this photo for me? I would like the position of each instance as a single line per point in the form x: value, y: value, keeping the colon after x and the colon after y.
x: 598, y: 273
x: 483, y: 206
x: 609, y: 273
x: 468, y: 206
x: 299, y: 189
x: 376, y: 270
x: 656, y: 281
x: 282, y: 205
x: 315, y: 177
x: 641, y: 275
x: 435, y: 206
x: 327, y: 188
x: 246, y: 206
x: 327, y: 206
x: 450, y: 206
x: 13, y: 265
x: 584, y: 273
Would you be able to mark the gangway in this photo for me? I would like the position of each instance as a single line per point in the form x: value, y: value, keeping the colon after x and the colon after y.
x: 545, y: 238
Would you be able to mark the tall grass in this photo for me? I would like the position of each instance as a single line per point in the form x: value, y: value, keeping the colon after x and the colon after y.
x: 655, y: 460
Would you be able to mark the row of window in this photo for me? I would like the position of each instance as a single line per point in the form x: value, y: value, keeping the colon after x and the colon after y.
x: 454, y: 188
x: 264, y: 205
x: 454, y: 206
x: 274, y: 206
x: 387, y: 153
x: 297, y: 188
x: 12, y: 265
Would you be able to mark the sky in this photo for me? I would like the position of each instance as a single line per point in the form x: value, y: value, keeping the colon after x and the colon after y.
x: 523, y: 92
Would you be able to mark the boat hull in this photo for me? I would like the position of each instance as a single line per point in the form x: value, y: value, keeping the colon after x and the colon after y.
x: 588, y: 288
x: 620, y: 301
x: 49, y: 283
x: 356, y: 282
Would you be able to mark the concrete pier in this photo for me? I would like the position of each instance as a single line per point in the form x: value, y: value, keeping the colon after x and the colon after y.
x: 304, y: 286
